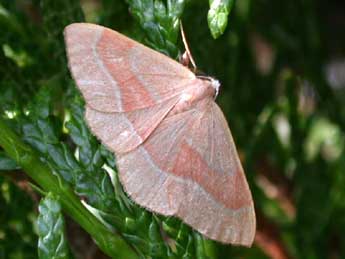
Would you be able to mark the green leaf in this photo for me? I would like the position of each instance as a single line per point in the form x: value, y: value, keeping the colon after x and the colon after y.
x: 160, y: 22
x: 108, y: 241
x: 91, y: 180
x: 217, y: 16
x: 157, y: 245
x: 6, y: 163
x: 43, y: 131
x: 52, y: 243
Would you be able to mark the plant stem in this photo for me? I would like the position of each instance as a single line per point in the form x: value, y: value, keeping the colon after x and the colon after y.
x: 109, y: 242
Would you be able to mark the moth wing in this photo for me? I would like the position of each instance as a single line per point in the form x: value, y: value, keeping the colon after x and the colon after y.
x: 124, y: 131
x: 117, y: 74
x: 189, y: 168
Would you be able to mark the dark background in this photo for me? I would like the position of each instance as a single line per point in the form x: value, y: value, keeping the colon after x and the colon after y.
x: 282, y: 69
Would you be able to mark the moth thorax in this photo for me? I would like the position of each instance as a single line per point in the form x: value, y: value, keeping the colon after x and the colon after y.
x: 200, y: 89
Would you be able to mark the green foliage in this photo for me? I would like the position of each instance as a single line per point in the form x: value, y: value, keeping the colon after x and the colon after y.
x: 160, y: 22
x: 286, y: 117
x: 217, y: 16
x: 52, y: 241
x: 6, y: 163
x: 17, y: 237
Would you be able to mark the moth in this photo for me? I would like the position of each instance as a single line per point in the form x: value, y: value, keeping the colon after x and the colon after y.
x: 174, y: 151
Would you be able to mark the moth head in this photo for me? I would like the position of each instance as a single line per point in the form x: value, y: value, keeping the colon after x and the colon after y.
x: 215, y: 84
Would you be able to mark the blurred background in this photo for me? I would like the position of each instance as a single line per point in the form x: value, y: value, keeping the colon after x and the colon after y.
x: 282, y: 69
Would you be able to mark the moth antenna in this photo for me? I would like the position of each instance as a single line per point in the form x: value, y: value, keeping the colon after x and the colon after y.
x: 187, y: 50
